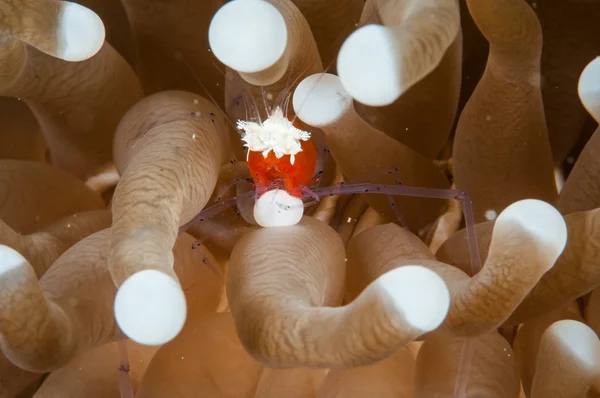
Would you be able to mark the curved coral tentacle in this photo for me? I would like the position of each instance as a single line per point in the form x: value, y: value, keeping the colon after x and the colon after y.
x: 285, y: 321
x: 501, y: 152
x: 169, y: 160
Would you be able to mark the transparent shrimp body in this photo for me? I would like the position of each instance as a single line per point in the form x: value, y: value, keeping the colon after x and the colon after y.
x: 282, y: 160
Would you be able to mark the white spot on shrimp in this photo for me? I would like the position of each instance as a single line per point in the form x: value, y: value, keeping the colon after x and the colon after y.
x: 270, y: 96
x: 349, y: 220
x: 490, y: 215
x: 194, y: 136
x: 195, y: 101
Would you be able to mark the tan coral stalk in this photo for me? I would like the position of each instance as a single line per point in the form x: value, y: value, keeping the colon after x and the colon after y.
x: 14, y: 380
x: 53, y: 27
x: 284, y: 285
x: 208, y: 357
x: 330, y: 22
x: 370, y: 218
x: 34, y: 194
x: 574, y: 274
x: 77, y: 104
x: 364, y: 154
x: 592, y: 310
x: 582, y: 191
x: 565, y: 23
x: 377, y: 64
x: 45, y: 324
x: 168, y: 148
x: 392, y: 377
x: 21, y: 136
x: 291, y: 383
x: 493, y: 371
x: 117, y: 26
x: 65, y: 316
x: 568, y: 361
x: 172, y: 45
x: 408, y: 118
x: 96, y: 373
x: 46, y: 245
x: 527, y: 342
x: 501, y: 150
x: 528, y: 237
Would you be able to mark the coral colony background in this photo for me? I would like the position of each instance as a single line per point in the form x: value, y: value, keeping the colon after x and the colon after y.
x: 442, y: 241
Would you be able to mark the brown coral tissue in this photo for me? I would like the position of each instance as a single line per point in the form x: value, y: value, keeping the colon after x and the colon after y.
x: 299, y: 199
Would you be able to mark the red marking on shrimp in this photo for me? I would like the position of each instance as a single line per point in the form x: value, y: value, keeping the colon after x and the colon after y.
x: 266, y: 171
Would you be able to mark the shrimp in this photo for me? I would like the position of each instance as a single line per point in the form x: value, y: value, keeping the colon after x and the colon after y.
x: 280, y: 153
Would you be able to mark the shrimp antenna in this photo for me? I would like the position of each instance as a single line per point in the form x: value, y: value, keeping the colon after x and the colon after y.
x: 199, y: 81
x: 249, y: 101
x: 284, y: 97
x: 217, y: 67
x: 279, y: 101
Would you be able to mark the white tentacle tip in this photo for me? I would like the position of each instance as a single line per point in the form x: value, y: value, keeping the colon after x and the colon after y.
x: 420, y: 295
x: 150, y: 307
x: 320, y: 99
x: 589, y: 88
x: 80, y: 34
x: 369, y: 66
x: 277, y: 208
x: 248, y: 36
x: 579, y: 340
x: 542, y: 221
x: 11, y: 260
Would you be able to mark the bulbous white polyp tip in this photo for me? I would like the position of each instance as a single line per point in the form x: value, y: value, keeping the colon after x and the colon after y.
x: 248, y: 35
x: 589, y: 88
x: 10, y: 260
x: 420, y: 295
x: 545, y: 224
x: 80, y: 33
x: 369, y: 66
x: 320, y: 99
x: 150, y: 307
x: 277, y: 208
x: 579, y: 340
